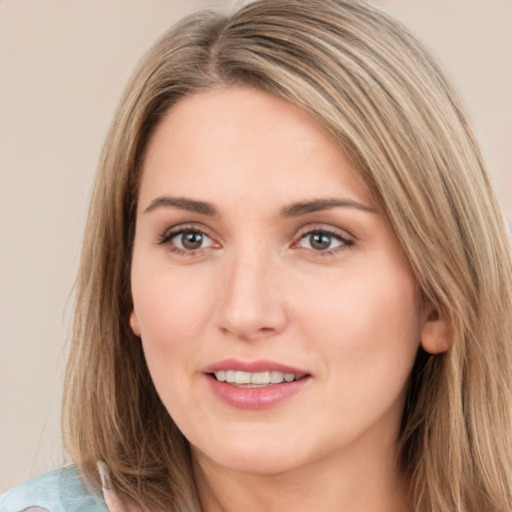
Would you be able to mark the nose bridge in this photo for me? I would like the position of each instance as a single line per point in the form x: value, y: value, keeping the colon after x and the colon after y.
x: 252, y: 304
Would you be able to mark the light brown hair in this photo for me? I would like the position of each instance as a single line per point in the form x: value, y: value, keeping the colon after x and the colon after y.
x: 391, y: 109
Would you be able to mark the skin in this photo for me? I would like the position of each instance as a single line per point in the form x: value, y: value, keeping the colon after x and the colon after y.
x: 258, y: 288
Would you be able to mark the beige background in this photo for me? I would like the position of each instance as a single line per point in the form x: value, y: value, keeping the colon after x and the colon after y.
x: 63, y: 64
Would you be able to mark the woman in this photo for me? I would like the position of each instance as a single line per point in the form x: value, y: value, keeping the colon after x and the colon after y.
x: 295, y: 288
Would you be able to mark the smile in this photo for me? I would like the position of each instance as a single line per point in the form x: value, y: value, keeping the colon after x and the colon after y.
x: 254, y: 380
x: 255, y: 385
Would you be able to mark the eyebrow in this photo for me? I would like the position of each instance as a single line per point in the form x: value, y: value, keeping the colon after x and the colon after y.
x: 293, y: 210
x: 317, y: 205
x: 181, y: 203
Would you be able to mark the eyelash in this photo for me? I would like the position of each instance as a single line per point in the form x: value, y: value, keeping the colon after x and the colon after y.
x: 345, y: 242
x: 165, y: 239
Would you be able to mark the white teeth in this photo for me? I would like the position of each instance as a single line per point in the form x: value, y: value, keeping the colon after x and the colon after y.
x: 276, y: 377
x: 242, y: 378
x: 258, y: 378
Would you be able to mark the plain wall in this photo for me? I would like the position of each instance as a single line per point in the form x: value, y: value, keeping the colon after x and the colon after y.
x: 63, y: 65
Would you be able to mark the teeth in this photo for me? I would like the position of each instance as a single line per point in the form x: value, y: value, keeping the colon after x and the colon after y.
x: 258, y: 378
x: 242, y: 378
x: 276, y: 377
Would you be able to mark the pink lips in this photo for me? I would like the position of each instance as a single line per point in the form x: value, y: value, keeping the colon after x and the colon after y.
x: 252, y: 366
x: 259, y: 397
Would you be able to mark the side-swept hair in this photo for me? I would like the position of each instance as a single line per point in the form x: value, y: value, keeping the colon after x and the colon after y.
x: 393, y: 113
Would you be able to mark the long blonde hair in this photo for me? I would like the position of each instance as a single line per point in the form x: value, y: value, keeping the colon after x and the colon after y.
x: 395, y: 115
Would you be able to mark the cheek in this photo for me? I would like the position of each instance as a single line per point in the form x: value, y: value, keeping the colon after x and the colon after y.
x: 172, y: 311
x: 169, y: 305
x: 367, y: 327
x: 172, y: 314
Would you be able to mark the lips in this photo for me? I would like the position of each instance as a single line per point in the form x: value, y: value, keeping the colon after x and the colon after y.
x: 256, y: 379
x: 254, y: 385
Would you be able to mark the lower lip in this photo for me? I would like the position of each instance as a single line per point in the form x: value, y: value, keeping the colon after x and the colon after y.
x: 255, y: 398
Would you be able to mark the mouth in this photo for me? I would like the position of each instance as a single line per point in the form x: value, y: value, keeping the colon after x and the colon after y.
x: 255, y: 385
x: 243, y: 379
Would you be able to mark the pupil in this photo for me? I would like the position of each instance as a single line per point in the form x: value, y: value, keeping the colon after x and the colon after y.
x: 320, y: 241
x: 192, y: 240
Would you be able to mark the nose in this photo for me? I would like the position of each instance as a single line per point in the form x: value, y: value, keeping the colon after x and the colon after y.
x: 252, y: 304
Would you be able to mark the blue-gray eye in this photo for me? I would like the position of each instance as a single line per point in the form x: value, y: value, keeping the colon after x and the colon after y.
x: 191, y: 240
x: 320, y: 241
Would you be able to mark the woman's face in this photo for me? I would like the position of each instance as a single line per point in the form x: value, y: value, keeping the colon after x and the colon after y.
x: 277, y: 314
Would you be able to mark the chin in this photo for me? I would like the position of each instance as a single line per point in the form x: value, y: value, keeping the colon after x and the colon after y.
x: 263, y: 458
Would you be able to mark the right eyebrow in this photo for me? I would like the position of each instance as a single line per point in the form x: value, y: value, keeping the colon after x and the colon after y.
x: 181, y: 203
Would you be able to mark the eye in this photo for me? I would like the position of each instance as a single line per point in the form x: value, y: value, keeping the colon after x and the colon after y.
x: 186, y: 240
x: 323, y: 241
x: 190, y: 240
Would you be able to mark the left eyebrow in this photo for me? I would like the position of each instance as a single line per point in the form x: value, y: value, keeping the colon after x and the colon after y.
x: 316, y: 205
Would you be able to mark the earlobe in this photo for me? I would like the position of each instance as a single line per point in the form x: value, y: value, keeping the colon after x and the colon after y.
x: 436, y: 336
x: 134, y: 323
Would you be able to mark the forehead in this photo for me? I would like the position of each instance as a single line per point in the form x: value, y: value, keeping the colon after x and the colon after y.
x: 239, y: 140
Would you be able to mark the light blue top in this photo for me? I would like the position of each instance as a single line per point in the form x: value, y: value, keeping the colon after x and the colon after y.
x: 59, y: 491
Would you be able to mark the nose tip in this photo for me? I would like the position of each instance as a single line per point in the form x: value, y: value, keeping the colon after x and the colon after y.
x: 246, y: 333
x: 252, y: 305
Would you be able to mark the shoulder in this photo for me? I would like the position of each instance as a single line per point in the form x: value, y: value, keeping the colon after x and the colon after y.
x: 58, y: 491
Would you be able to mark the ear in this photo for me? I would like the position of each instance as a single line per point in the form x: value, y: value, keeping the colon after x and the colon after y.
x: 134, y: 323
x: 436, y: 335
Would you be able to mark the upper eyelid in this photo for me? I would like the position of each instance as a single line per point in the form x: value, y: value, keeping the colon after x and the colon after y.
x: 169, y: 232
x: 319, y: 227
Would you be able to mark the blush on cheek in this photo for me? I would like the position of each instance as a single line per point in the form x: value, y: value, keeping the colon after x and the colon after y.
x: 367, y: 322
x: 171, y: 307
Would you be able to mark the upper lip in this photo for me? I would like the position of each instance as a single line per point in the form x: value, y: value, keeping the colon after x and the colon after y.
x: 254, y: 367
